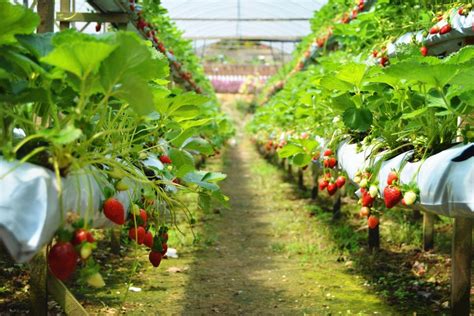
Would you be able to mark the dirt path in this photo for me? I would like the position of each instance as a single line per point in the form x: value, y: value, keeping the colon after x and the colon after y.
x: 268, y: 256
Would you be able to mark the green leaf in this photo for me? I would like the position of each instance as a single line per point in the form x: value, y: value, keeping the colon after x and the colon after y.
x: 62, y: 137
x: 182, y: 160
x: 332, y: 83
x: 39, y: 45
x: 290, y: 150
x: 357, y: 119
x: 352, y: 73
x: 198, y: 178
x: 214, y: 177
x: 198, y: 144
x: 80, y: 58
x: 301, y: 159
x: 15, y: 19
x: 415, y: 113
x: 137, y: 93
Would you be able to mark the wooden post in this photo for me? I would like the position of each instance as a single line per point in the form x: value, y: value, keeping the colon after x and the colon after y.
x: 461, y: 266
x: 428, y: 231
x: 64, y: 297
x: 115, y: 240
x: 300, y: 179
x: 46, y: 13
x: 38, y: 285
x: 290, y: 170
x: 374, y: 238
x: 336, y: 208
x: 65, y: 8
x: 315, y: 175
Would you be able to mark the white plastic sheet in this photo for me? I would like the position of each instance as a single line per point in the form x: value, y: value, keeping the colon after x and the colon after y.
x: 30, y: 212
x: 447, y: 186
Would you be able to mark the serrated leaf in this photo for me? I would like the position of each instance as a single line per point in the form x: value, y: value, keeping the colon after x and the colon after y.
x: 357, y: 119
x: 290, y: 150
x: 15, y: 19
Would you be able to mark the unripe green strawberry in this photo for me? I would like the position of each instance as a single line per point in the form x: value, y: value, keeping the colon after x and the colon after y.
x: 363, y: 183
x: 409, y: 197
x: 86, y: 250
x: 96, y: 280
x: 373, y: 191
x: 121, y: 186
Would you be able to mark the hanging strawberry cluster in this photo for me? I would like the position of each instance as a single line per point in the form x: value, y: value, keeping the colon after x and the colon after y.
x: 393, y: 193
x: 330, y: 181
x: 73, y: 249
x: 149, y: 31
x: 319, y: 42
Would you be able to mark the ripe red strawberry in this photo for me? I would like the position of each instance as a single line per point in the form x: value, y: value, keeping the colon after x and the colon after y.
x: 424, y: 50
x: 148, y: 241
x: 340, y: 181
x: 165, y: 159
x: 165, y: 248
x: 62, y: 260
x: 367, y: 199
x: 330, y: 163
x: 323, y: 184
x: 98, y: 26
x: 445, y: 29
x: 141, y: 24
x: 372, y: 221
x: 164, y: 236
x: 384, y: 61
x: 143, y: 217
x: 392, y: 176
x: 81, y: 235
x: 461, y: 11
x: 327, y: 152
x: 375, y: 53
x: 434, y: 30
x: 155, y: 258
x: 114, y: 211
x: 392, y: 195
x: 332, y: 188
x: 137, y: 234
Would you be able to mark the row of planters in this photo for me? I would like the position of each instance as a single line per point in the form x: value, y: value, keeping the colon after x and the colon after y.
x: 394, y: 117
x: 93, y: 135
x: 153, y: 23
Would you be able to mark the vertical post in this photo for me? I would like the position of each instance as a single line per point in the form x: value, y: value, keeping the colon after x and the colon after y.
x: 115, y: 240
x: 461, y: 266
x: 65, y: 8
x: 300, y: 179
x: 336, y: 208
x: 38, y: 284
x: 315, y: 175
x: 46, y: 13
x: 374, y: 238
x: 290, y: 170
x: 428, y: 231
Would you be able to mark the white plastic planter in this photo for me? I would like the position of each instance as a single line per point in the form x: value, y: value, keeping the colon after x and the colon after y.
x: 30, y: 212
x: 447, y: 186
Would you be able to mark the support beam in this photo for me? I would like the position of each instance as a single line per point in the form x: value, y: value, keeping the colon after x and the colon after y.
x: 64, y: 297
x: 461, y: 266
x: 315, y: 184
x: 428, y: 231
x: 46, y: 13
x: 38, y: 286
x: 240, y: 19
x: 120, y: 18
x: 65, y: 8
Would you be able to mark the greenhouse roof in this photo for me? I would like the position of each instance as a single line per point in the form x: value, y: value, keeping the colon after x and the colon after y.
x: 270, y: 20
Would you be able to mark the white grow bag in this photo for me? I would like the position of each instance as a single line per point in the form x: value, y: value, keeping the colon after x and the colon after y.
x: 30, y: 210
x: 446, y: 186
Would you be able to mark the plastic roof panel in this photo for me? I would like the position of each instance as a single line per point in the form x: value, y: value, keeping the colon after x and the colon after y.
x: 210, y: 15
